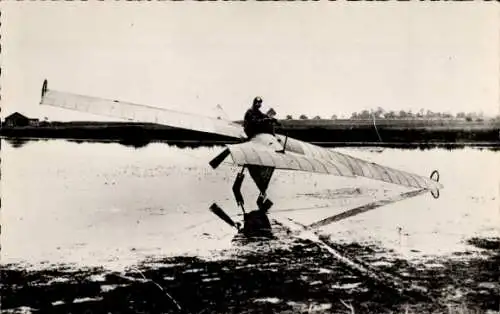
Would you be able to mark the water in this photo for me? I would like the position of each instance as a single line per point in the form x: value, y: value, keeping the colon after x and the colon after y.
x: 111, y: 205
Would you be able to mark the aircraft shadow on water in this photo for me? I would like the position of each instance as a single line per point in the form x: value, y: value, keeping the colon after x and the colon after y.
x: 260, y: 156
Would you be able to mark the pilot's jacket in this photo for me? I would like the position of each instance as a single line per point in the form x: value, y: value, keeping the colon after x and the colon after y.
x: 256, y: 122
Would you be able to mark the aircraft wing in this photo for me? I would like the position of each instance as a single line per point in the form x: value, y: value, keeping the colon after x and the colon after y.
x: 252, y: 153
x: 264, y: 150
x: 362, y: 167
x: 140, y: 113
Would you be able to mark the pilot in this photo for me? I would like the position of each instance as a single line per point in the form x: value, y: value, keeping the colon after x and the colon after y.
x: 256, y: 122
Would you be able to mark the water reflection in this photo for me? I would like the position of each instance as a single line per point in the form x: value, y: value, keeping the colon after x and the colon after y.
x: 372, y: 147
x: 18, y: 142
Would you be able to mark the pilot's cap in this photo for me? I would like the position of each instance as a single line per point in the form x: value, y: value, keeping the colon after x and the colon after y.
x: 257, y: 101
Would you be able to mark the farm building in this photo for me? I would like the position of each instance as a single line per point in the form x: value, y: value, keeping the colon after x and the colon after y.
x: 17, y: 119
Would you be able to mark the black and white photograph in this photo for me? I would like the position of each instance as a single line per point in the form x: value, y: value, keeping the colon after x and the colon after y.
x: 250, y: 157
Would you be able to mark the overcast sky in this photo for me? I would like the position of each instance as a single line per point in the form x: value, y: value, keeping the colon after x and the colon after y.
x: 312, y: 58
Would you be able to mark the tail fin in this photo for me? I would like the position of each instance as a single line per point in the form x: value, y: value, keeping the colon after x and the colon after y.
x: 220, y: 113
x: 44, y: 89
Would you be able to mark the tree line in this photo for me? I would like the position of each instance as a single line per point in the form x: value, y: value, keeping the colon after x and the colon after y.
x: 380, y: 113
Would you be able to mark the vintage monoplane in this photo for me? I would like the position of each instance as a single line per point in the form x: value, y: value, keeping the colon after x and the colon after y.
x: 261, y: 155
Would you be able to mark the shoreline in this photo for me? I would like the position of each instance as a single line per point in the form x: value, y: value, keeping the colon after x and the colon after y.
x: 20, y: 141
x: 321, y: 133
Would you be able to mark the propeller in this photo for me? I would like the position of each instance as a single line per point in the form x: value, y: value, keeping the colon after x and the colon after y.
x: 219, y: 158
x: 222, y: 215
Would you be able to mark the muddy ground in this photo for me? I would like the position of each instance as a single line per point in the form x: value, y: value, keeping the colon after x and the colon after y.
x: 280, y: 275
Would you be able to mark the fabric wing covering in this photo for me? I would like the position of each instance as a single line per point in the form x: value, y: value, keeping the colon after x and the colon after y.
x: 312, y: 158
x: 256, y: 154
x: 140, y: 113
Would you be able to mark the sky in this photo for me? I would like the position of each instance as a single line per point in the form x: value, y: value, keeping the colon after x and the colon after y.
x: 308, y: 58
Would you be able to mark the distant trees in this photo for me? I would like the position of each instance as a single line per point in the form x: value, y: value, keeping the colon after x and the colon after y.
x: 365, y: 114
x: 471, y: 116
x: 390, y: 115
x: 403, y: 114
x: 420, y: 113
x: 380, y: 114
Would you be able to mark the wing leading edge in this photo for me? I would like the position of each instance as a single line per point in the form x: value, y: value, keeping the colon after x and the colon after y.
x: 251, y: 153
x: 139, y: 113
x: 264, y: 151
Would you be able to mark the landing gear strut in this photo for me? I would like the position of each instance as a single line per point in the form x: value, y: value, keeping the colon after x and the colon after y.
x: 256, y: 222
x: 263, y: 203
x: 237, y: 189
